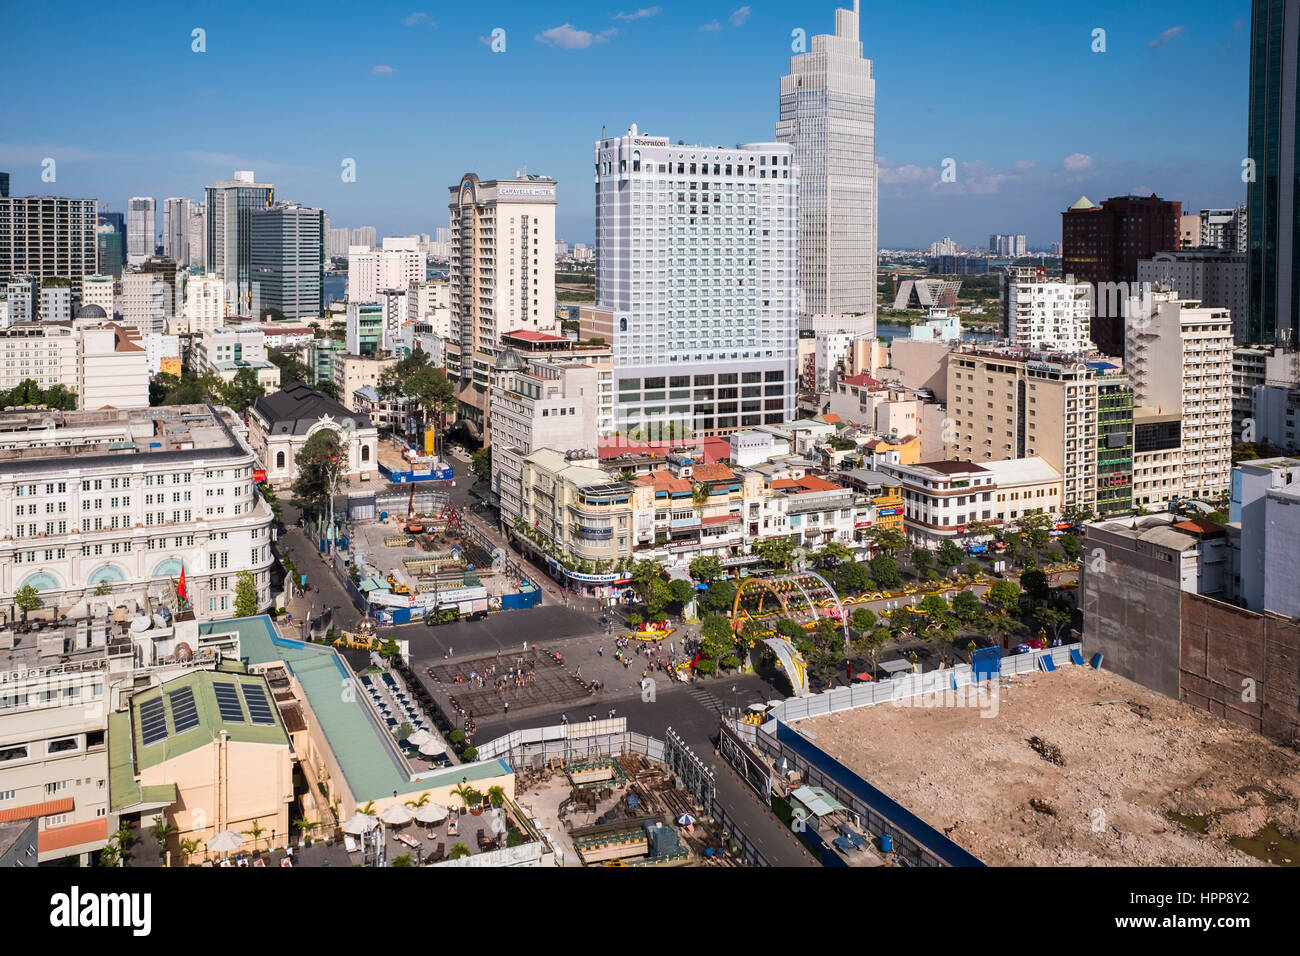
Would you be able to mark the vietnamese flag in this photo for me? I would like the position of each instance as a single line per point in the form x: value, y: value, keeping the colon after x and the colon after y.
x: 180, y: 588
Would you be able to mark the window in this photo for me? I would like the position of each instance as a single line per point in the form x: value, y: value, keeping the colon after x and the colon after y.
x: 13, y: 753
x: 279, y: 459
x: 62, y: 745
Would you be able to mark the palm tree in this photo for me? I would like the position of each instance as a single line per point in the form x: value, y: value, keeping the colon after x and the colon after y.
x: 416, y: 804
x: 459, y: 850
x: 496, y: 795
x: 465, y: 792
x: 188, y: 848
x: 161, y: 830
x: 305, y: 827
x: 700, y: 497
x: 255, y: 831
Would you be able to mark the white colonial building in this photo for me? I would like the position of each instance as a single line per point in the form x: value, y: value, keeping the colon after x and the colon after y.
x: 281, y: 423
x: 118, y: 502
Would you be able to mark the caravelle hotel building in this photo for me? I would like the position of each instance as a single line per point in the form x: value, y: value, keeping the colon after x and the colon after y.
x: 698, y: 252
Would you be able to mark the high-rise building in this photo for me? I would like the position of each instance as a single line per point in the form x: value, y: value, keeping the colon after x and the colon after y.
x: 108, y: 250
x: 1008, y: 245
x: 395, y: 266
x: 22, y: 296
x: 98, y: 290
x: 828, y: 116
x: 230, y: 205
x: 288, y: 259
x: 698, y: 253
x: 4, y: 185
x: 502, y: 275
x: 1273, y: 195
x: 1102, y: 246
x: 337, y: 243
x: 56, y: 301
x: 141, y: 226
x: 1042, y: 314
x: 1224, y: 229
x: 197, y: 238
x: 1179, y: 358
x: 176, y: 228
x: 48, y: 237
x: 205, y: 304
x: 1007, y: 404
x: 1114, y: 444
x: 1189, y: 231
x: 363, y: 236
x: 1214, y: 278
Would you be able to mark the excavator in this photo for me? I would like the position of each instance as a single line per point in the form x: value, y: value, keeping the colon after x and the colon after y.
x: 413, y: 524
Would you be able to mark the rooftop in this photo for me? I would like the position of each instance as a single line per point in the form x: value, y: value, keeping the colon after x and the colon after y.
x: 296, y: 408
x: 367, y: 760
x: 952, y: 467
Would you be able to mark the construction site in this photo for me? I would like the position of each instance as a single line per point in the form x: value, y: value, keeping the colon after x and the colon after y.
x: 621, y: 810
x: 413, y: 557
x: 1078, y: 767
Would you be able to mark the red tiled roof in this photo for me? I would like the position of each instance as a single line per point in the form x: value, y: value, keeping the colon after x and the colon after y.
x: 714, y: 472
x: 805, y: 484
x: 831, y: 419
x: 73, y: 834
x: 530, y: 336
x: 1198, y: 526
x: 864, y: 381
x: 664, y: 480
x: 613, y: 447
x: 62, y: 805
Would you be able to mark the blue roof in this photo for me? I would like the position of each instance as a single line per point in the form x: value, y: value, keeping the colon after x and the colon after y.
x: 1101, y: 366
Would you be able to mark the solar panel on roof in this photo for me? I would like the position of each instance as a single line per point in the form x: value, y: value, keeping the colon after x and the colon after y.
x: 153, y: 722
x: 258, y: 708
x: 185, y: 715
x: 228, y: 703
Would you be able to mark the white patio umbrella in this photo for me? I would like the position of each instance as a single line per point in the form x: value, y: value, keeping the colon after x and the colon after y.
x: 397, y: 814
x: 431, y: 813
x: 360, y: 823
x: 433, y: 746
x: 227, y: 841
x: 419, y: 738
x: 685, y: 820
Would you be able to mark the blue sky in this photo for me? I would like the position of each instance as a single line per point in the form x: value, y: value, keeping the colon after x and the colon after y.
x: 412, y: 92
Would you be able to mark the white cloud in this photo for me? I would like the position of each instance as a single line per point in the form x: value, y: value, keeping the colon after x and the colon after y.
x: 739, y: 17
x: 908, y: 173
x: 1078, y: 162
x: 571, y: 38
x: 641, y: 14
x: 382, y: 70
x: 710, y: 27
x: 419, y: 19
x: 1173, y: 33
x: 1025, y: 166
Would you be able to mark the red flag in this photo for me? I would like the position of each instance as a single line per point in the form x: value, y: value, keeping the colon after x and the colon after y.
x: 180, y: 588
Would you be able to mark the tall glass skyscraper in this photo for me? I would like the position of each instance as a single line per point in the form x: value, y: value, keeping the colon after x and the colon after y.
x: 1273, y: 217
x: 230, y: 206
x: 828, y: 114
x: 288, y: 260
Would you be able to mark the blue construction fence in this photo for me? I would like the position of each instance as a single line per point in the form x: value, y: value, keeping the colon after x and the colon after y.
x: 882, y: 812
x: 406, y: 477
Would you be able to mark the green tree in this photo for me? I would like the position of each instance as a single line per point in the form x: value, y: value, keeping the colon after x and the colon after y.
x: 246, y: 603
x: 683, y: 592
x: 481, y: 463
x: 162, y: 831
x: 426, y: 387
x: 320, y: 464
x: 949, y: 555
x: 459, y: 850
x: 241, y: 391
x: 304, y: 827
x: 1052, y: 619
x: 978, y: 529
x: 1035, y: 584
x: 862, y: 619
x: 932, y: 605
x: 1038, y: 526
x: 1004, y: 595
x: 404, y: 730
x: 707, y: 569
x: 403, y: 860
x: 1071, y: 546
x: 884, y: 571
x: 888, y: 540
x: 291, y: 370
x: 644, y: 574
x: 831, y: 555
x: 188, y: 848
x: 790, y: 629
x: 870, y: 645
x: 922, y: 560
x: 255, y: 831
x: 27, y: 599
x: 720, y: 596
x: 776, y: 552
x: 852, y: 577
x: 966, y: 606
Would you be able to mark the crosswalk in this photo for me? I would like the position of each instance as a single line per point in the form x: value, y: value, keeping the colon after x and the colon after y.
x: 707, y: 700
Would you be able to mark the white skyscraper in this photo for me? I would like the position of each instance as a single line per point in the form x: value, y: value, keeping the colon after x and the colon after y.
x: 828, y: 116
x: 140, y: 224
x: 698, y: 251
x: 1046, y: 314
x: 395, y: 266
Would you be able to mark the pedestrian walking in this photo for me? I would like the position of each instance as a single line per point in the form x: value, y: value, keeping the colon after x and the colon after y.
x: 506, y: 705
x: 601, y: 650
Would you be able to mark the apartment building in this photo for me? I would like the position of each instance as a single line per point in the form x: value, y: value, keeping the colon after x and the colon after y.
x: 1212, y: 277
x: 98, y: 290
x: 501, y: 275
x: 1004, y: 404
x: 1046, y: 315
x: 1179, y: 359
x: 396, y: 265
x: 355, y: 372
x: 205, y: 305
x: 226, y: 351
x: 699, y: 264
x: 537, y: 404
x: 1259, y: 366
x: 48, y: 237
x: 1157, y: 457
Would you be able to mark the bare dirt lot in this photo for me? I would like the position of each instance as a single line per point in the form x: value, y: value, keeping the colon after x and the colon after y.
x: 1124, y: 765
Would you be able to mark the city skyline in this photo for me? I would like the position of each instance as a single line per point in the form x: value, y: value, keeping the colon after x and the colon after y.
x: 1087, y: 138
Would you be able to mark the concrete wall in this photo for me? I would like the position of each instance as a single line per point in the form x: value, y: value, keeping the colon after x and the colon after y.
x: 1242, y: 666
x: 1131, y: 606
